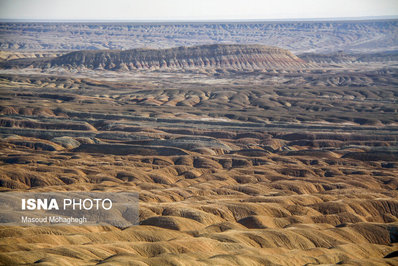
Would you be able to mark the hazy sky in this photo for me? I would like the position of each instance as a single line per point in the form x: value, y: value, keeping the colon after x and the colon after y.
x: 193, y: 9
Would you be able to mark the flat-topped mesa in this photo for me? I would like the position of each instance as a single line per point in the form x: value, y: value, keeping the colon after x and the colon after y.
x: 205, y: 56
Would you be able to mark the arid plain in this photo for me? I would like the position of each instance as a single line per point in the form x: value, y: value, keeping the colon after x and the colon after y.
x: 249, y: 143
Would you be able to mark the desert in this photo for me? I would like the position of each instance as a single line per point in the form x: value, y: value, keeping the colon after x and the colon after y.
x: 258, y: 143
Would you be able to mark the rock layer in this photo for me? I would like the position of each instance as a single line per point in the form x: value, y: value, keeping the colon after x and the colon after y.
x: 204, y: 56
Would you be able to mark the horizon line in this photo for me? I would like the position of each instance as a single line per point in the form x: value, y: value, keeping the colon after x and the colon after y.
x: 362, y: 18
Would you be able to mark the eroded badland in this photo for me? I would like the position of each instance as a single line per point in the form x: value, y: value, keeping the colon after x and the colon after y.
x: 249, y: 144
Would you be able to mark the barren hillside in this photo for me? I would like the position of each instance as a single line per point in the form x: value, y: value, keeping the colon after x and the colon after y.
x: 242, y: 154
x: 205, y: 56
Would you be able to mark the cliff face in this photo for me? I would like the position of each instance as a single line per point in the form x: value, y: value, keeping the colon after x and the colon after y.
x: 208, y: 56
